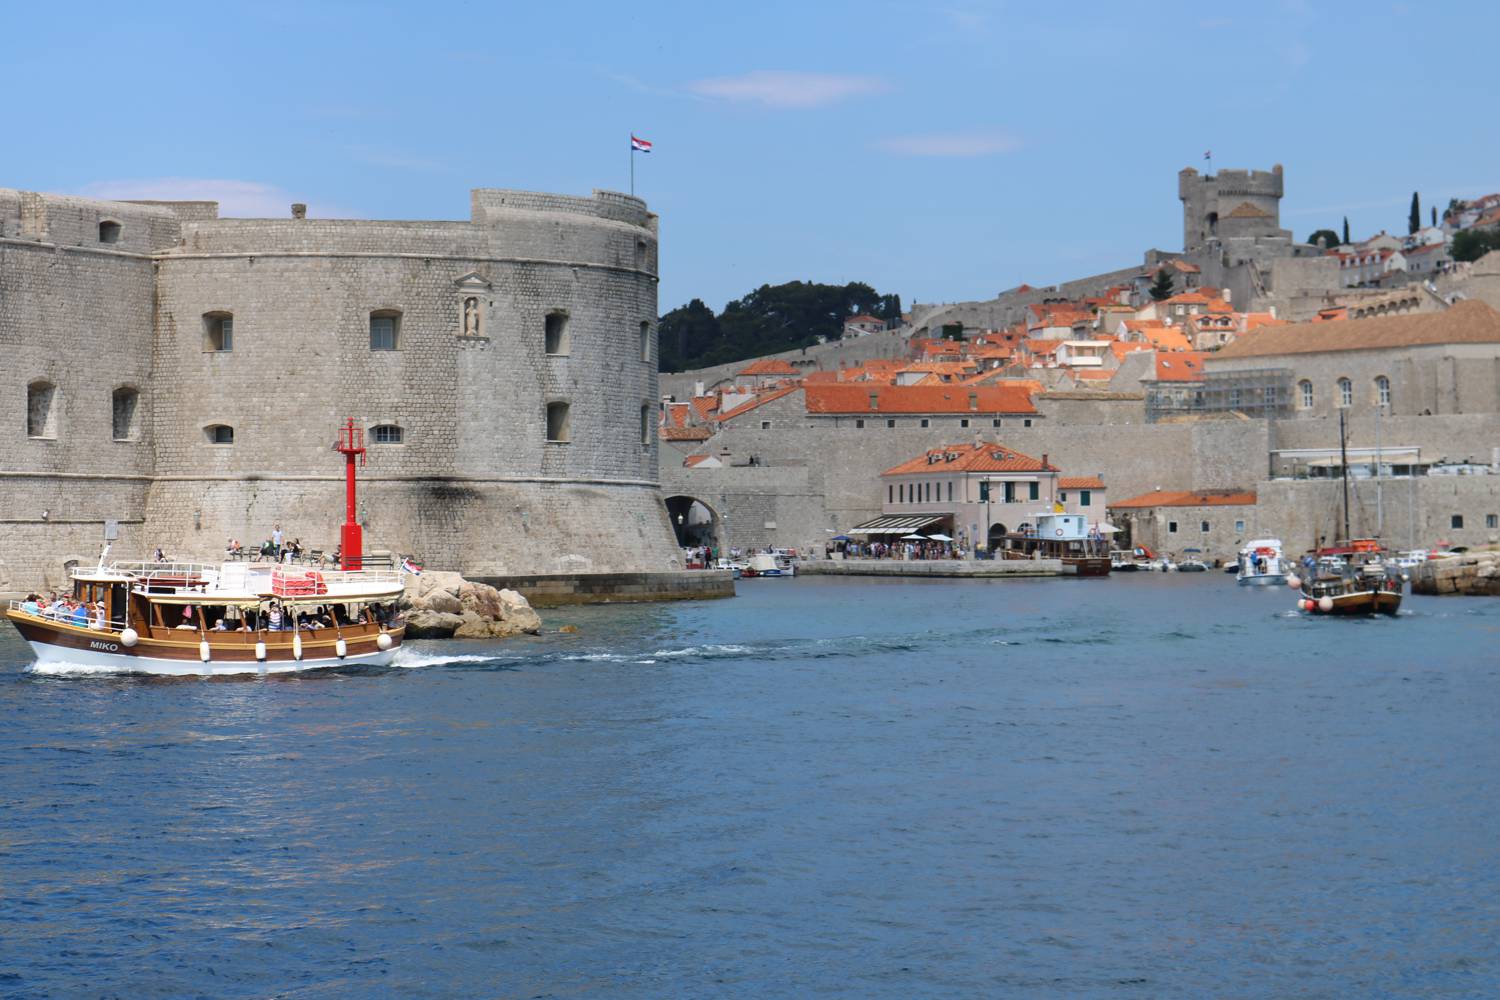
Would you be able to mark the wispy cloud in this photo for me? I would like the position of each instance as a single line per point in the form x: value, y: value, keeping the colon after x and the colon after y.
x: 982, y: 142
x: 788, y: 88
x: 244, y: 199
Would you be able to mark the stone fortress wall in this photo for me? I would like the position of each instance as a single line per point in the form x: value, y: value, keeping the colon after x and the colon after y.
x: 474, y: 484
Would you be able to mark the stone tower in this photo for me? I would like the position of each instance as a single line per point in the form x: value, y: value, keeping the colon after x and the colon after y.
x: 1231, y: 202
x: 183, y: 375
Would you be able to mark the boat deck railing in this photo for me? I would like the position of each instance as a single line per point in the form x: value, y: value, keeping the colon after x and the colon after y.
x: 67, y: 618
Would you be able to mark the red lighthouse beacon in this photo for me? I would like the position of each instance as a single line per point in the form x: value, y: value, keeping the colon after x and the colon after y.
x: 351, y: 442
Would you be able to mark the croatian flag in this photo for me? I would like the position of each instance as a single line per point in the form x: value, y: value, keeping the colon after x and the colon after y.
x: 1208, y: 154
x: 639, y: 145
x: 411, y: 567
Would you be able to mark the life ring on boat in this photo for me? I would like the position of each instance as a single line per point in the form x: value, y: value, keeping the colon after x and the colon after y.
x: 1059, y: 532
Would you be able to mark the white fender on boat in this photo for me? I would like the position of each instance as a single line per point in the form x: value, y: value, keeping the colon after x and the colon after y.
x: 297, y: 646
x: 1325, y: 603
x: 341, y: 648
x: 129, y: 637
x: 1294, y: 581
x: 384, y: 641
x: 260, y: 650
x: 203, y: 650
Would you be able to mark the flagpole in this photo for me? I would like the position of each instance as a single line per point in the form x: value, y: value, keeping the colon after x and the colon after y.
x: 632, y: 164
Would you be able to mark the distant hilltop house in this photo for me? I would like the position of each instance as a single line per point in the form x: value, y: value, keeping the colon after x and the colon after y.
x: 863, y: 325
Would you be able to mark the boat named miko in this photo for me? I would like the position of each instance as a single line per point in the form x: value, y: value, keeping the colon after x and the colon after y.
x: 232, y: 618
x: 204, y: 620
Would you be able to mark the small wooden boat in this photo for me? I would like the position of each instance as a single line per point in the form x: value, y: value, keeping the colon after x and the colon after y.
x: 1351, y: 592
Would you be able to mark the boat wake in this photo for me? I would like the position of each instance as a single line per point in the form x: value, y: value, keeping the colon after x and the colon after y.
x: 412, y: 659
x: 62, y: 668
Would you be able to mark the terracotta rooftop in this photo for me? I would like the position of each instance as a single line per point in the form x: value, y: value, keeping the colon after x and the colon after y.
x: 978, y: 456
x: 1080, y: 483
x: 1468, y: 322
x: 889, y: 399
x: 1179, y: 366
x: 769, y: 366
x: 1187, y: 498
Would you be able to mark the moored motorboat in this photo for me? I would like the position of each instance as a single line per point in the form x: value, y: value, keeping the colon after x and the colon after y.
x: 1262, y: 564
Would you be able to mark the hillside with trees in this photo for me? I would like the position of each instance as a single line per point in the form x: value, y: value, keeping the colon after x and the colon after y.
x: 770, y: 319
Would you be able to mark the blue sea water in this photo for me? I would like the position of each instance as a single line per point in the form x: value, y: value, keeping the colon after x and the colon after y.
x: 1145, y: 786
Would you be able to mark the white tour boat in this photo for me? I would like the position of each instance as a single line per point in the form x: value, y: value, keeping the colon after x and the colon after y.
x: 205, y: 620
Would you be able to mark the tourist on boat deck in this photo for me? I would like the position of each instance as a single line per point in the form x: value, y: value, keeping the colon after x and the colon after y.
x: 274, y: 618
x: 32, y: 605
x: 221, y: 626
x: 97, y: 622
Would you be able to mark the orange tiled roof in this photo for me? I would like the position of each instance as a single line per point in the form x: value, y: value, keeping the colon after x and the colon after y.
x: 769, y: 366
x: 1080, y: 483
x: 693, y: 460
x: 686, y: 433
x: 760, y: 400
x: 972, y: 457
x: 891, y: 399
x: 1179, y: 366
x: 1188, y: 498
x: 1470, y: 321
x: 1167, y: 338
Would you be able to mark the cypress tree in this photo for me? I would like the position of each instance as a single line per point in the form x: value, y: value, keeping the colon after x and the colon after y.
x: 1434, y: 215
x: 1346, y: 230
x: 1414, y: 221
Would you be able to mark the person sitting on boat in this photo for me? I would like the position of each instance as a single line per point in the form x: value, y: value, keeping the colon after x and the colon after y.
x: 32, y: 605
x: 274, y: 619
x: 244, y: 624
x: 97, y: 621
x: 221, y: 626
x: 79, y: 614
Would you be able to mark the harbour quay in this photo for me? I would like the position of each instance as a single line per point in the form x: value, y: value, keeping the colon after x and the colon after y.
x: 968, y: 569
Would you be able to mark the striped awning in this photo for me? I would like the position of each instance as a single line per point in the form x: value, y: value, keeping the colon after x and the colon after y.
x: 897, y: 524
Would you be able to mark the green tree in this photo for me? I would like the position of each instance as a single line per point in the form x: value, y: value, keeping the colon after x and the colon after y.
x: 1414, y: 221
x: 1330, y: 238
x: 1347, y: 241
x: 1161, y: 288
x: 1434, y: 215
x: 1472, y: 244
x: 771, y: 319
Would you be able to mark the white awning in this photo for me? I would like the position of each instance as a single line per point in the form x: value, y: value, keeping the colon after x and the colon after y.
x: 896, y: 524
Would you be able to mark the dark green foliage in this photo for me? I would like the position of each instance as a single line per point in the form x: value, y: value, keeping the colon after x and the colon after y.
x: 953, y: 331
x: 1161, y: 288
x: 770, y: 319
x: 1330, y: 237
x: 1472, y: 244
x: 1346, y: 231
x: 1414, y: 220
x: 1434, y: 215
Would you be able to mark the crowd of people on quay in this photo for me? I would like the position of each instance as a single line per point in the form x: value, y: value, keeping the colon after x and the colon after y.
x: 926, y: 548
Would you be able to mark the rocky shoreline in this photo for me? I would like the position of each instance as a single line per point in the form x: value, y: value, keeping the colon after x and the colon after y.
x: 442, y: 605
x: 1474, y: 574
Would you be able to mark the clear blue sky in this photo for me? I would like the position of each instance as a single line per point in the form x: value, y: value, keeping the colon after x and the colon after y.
x: 940, y: 151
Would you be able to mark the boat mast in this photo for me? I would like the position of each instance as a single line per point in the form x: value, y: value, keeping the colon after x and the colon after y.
x: 351, y: 442
x: 1344, y: 463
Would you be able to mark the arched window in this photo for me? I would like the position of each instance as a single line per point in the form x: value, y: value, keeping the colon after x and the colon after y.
x: 218, y: 331
x: 385, y: 329
x: 41, y: 409
x: 387, y: 434
x: 219, y: 434
x: 1305, y: 387
x: 1346, y: 393
x: 645, y: 341
x: 646, y: 427
x: 1382, y: 391
x: 557, y: 423
x: 125, y: 403
x: 556, y: 333
x: 109, y: 231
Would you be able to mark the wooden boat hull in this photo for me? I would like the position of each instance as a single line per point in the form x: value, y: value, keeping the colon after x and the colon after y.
x: 1088, y: 565
x: 71, y: 646
x: 1361, y: 602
